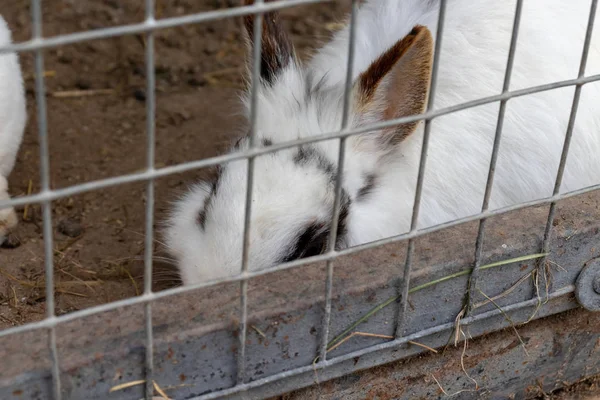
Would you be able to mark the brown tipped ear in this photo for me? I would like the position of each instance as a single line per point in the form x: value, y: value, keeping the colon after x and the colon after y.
x: 397, y: 83
x: 277, y: 51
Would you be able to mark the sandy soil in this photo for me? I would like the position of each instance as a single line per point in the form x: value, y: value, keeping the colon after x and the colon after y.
x: 99, y: 235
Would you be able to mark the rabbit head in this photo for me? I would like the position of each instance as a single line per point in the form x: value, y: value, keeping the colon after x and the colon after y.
x: 294, y: 189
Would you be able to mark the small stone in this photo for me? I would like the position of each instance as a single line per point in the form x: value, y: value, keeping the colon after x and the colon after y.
x: 65, y: 59
x: 212, y: 46
x: 184, y: 115
x: 92, y: 47
x: 161, y: 70
x: 70, y: 227
x: 83, y: 84
x: 139, y: 94
x: 139, y: 70
x: 197, y: 80
x: 114, y: 4
x: 173, y: 79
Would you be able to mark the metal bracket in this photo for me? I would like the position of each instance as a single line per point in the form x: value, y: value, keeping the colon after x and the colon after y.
x: 587, y: 288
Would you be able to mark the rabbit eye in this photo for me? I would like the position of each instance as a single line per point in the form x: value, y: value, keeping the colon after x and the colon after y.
x: 312, y: 242
x: 315, y: 238
x: 318, y: 245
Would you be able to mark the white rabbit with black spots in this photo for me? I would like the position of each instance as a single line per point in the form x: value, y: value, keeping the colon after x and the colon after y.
x: 293, y: 191
x: 12, y: 123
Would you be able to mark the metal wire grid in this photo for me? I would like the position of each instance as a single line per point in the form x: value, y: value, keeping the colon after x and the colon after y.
x: 37, y: 44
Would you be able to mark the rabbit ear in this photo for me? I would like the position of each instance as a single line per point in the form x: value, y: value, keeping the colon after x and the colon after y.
x: 277, y: 50
x: 397, y: 83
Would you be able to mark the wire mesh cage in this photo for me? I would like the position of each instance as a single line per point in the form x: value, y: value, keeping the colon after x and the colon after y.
x: 224, y: 345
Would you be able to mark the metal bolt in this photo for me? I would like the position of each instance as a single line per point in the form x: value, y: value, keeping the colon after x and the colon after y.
x: 596, y: 285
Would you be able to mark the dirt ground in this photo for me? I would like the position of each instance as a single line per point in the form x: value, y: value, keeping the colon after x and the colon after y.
x: 98, y: 236
x: 588, y: 389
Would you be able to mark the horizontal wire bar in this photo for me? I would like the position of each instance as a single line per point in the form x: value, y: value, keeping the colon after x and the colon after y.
x: 148, y: 174
x: 151, y: 25
x: 382, y: 346
x: 48, y: 322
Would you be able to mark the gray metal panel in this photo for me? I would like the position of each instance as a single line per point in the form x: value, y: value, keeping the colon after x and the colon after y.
x: 196, y: 338
x: 196, y: 333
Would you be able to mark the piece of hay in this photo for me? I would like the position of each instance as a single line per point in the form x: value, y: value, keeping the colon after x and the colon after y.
x: 82, y: 93
x: 26, y: 209
x: 126, y: 385
x: 393, y: 299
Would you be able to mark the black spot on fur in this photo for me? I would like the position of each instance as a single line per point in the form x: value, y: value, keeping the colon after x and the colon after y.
x: 432, y: 3
x: 277, y: 50
x: 201, y: 217
x: 311, y: 242
x: 303, y: 156
x: 367, y: 188
x: 345, y: 203
x: 298, y: 103
x: 267, y: 142
x: 308, y: 84
x: 319, y: 86
x: 315, y: 237
x: 308, y: 155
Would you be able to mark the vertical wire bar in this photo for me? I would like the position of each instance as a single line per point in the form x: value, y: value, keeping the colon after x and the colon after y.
x: 40, y: 95
x: 338, y: 182
x: 149, y: 239
x: 256, y: 62
x: 492, y: 168
x: 569, y: 134
x: 401, y: 312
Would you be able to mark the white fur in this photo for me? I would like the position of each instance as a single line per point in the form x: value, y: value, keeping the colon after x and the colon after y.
x: 12, y: 122
x: 473, y: 59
